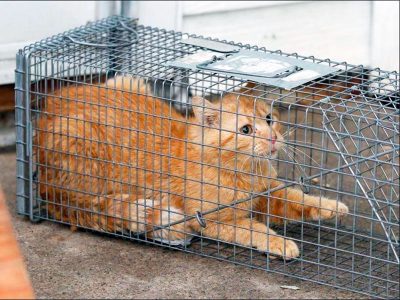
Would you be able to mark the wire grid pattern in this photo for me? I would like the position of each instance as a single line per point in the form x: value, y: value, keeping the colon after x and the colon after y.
x: 345, y: 146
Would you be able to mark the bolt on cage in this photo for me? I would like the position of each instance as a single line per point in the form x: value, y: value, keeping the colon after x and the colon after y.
x: 341, y: 142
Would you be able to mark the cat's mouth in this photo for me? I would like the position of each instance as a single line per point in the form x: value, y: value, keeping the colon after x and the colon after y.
x: 273, y: 153
x: 270, y: 152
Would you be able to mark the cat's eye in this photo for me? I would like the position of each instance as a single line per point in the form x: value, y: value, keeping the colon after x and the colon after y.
x: 269, y: 119
x: 246, y: 129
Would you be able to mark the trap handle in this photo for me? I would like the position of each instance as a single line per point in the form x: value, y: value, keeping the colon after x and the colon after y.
x: 110, y: 45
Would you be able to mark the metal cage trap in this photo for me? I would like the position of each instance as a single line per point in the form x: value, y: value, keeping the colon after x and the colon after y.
x: 114, y: 134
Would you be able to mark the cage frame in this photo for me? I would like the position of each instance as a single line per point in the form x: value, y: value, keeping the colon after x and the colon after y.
x: 25, y: 135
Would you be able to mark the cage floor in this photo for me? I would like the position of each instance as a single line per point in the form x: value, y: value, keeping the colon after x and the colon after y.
x: 333, y: 256
x: 325, y: 258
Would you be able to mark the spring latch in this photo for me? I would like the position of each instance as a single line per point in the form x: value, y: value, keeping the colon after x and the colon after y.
x: 304, y: 184
x: 200, y: 219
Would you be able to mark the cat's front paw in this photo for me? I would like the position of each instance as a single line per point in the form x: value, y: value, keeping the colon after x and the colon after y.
x: 329, y: 209
x: 281, y: 247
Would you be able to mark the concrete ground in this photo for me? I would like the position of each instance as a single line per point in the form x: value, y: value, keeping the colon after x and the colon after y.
x: 63, y: 264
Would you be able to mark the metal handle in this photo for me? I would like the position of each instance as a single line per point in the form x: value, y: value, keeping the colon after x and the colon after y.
x: 110, y: 45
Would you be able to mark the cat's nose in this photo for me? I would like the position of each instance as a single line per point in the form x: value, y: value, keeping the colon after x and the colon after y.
x: 273, y: 140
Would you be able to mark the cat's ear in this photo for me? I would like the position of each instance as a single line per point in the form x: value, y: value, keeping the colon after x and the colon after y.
x: 205, y: 112
x: 248, y: 88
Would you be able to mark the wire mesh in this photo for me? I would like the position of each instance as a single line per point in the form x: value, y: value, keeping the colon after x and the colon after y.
x: 111, y: 139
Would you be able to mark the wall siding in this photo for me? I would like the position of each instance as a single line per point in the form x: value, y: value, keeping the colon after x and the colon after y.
x: 359, y: 32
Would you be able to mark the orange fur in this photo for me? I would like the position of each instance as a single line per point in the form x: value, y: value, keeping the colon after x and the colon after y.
x: 113, y: 158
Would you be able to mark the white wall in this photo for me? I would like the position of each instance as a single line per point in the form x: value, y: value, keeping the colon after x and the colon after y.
x: 24, y: 22
x: 360, y: 32
x: 385, y: 35
x: 162, y: 14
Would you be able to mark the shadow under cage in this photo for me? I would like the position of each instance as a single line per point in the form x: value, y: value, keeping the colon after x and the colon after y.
x: 303, y: 181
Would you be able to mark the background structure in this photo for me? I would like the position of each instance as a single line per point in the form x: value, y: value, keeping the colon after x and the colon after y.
x: 360, y: 32
x: 82, y: 264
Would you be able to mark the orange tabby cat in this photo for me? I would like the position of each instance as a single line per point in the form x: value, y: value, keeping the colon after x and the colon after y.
x: 113, y: 158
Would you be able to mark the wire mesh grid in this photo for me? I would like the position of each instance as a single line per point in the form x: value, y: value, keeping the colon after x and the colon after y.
x: 110, y: 138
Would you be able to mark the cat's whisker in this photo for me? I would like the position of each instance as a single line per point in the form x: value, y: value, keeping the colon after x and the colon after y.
x: 295, y: 128
x: 269, y: 166
x: 304, y: 145
x: 230, y: 160
x: 237, y: 162
x: 259, y: 171
x: 240, y: 169
x: 261, y: 174
x: 287, y: 133
x: 296, y: 150
x: 273, y: 168
x: 269, y: 173
x: 294, y: 161
x: 256, y: 169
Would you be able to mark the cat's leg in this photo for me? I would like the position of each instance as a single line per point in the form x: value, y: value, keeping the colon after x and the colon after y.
x: 120, y: 212
x: 293, y: 204
x: 158, y: 224
x: 251, y: 233
x: 114, y: 213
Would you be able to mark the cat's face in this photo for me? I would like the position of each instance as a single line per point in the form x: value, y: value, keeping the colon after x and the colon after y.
x: 245, y: 126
